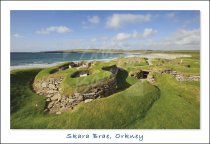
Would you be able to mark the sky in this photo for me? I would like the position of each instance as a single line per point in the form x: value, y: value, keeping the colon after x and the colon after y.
x: 34, y: 31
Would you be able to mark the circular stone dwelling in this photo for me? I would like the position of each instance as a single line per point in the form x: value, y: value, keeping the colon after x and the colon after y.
x: 70, y: 83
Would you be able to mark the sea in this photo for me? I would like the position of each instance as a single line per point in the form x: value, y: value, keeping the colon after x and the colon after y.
x: 44, y: 59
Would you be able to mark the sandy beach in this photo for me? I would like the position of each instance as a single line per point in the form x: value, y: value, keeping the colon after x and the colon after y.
x: 149, y: 56
x: 164, y: 56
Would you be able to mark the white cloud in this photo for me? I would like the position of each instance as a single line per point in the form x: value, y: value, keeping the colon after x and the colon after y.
x: 149, y: 32
x: 170, y: 15
x: 91, y: 22
x: 56, y: 29
x: 181, y: 39
x: 17, y: 35
x: 94, y: 20
x: 122, y: 36
x: 118, y: 20
x: 93, y: 39
x: 186, y: 37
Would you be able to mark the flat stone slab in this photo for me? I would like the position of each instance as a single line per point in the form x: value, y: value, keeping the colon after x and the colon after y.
x: 44, y: 84
x: 51, y: 86
x: 51, y: 91
x: 88, y: 100
x: 55, y: 97
x: 50, y: 104
x: 58, y: 113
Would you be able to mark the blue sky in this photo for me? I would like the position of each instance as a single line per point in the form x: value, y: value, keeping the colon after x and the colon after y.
x: 33, y: 31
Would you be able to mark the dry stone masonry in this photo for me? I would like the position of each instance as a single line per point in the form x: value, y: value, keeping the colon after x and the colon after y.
x: 141, y: 74
x: 58, y: 103
x: 151, y: 79
x: 181, y: 77
x: 144, y: 74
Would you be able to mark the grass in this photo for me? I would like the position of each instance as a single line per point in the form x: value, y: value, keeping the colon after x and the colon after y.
x: 187, y: 65
x: 178, y: 106
x: 21, y: 90
x: 169, y: 104
x: 132, y: 63
x: 81, y: 84
x: 47, y: 72
x: 123, y: 107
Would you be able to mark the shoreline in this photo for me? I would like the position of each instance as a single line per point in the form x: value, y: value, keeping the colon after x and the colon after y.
x: 46, y: 65
x: 149, y: 56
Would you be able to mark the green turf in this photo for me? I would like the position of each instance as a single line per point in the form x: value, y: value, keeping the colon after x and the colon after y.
x: 178, y: 106
x: 71, y: 85
x: 169, y: 104
x: 116, y: 111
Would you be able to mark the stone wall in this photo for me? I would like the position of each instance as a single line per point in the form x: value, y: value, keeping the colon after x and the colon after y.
x: 141, y: 74
x: 47, y: 87
x: 181, y: 77
x: 58, y: 103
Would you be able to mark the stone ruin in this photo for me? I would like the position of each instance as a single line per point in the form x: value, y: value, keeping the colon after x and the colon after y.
x: 80, y: 73
x: 180, y: 77
x: 142, y: 74
x: 77, y: 65
x: 80, y: 64
x: 151, y: 79
x: 61, y: 68
x: 73, y: 65
x: 56, y: 103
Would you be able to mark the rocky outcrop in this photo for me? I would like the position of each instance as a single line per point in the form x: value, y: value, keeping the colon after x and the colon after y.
x: 181, y: 77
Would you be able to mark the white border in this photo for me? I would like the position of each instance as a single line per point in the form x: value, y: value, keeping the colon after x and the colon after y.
x: 58, y: 136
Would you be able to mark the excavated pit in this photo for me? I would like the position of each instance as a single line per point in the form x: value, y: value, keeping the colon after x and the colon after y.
x: 56, y: 103
x: 142, y: 74
x: 80, y: 73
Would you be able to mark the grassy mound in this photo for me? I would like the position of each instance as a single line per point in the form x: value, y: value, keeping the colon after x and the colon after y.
x: 51, y: 72
x: 131, y: 63
x: 178, y: 106
x: 137, y: 104
x: 116, y: 111
x: 71, y: 85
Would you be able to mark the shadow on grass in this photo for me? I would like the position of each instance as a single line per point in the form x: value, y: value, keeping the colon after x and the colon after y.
x: 21, y: 88
x: 122, y: 84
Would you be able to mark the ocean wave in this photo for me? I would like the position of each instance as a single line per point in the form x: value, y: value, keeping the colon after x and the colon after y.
x: 34, y: 65
x: 45, y: 65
